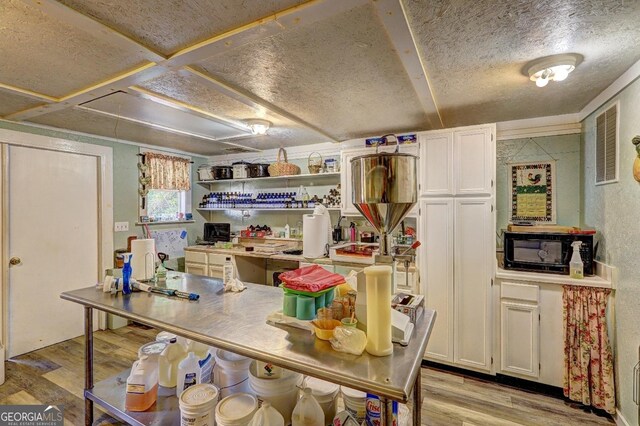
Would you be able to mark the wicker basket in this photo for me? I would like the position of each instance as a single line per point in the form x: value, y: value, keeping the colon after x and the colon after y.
x: 282, y: 167
x: 314, y: 164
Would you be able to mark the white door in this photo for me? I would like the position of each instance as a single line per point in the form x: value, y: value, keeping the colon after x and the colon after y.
x: 436, y: 154
x: 474, y: 153
x: 53, y: 240
x: 435, y: 257
x: 474, y: 257
x: 520, y: 339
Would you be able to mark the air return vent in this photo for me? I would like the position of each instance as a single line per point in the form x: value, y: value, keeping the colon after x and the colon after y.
x: 238, y: 150
x: 607, y: 146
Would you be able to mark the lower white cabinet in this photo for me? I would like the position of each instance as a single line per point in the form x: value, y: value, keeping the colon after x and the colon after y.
x: 196, y: 268
x: 530, y: 343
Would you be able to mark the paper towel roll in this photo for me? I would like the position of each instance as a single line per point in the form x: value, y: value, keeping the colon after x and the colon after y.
x: 314, y: 235
x: 143, y: 260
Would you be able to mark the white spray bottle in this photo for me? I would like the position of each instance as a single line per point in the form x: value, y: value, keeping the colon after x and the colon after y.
x: 576, y: 267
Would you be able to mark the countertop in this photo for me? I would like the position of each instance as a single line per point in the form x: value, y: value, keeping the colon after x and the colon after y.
x: 237, y: 322
x: 604, y: 277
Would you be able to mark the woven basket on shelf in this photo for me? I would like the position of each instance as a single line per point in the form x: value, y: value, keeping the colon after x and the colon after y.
x: 314, y: 164
x: 282, y: 167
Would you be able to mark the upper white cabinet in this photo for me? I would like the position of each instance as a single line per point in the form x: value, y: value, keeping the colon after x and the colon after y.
x: 347, y: 208
x: 458, y: 161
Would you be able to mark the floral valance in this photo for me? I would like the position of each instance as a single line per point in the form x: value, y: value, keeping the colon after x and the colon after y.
x: 168, y: 172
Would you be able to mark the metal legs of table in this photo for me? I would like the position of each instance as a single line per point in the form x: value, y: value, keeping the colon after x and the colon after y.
x: 88, y: 364
x: 417, y: 399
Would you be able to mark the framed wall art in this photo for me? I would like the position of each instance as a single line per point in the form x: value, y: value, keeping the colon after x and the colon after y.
x: 533, y: 192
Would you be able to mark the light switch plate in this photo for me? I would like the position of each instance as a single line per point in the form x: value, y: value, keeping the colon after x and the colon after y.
x: 121, y: 226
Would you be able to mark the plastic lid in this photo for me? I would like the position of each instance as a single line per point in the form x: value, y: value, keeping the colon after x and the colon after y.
x: 152, y: 348
x: 267, y: 416
x: 352, y: 393
x: 228, y: 258
x: 321, y: 387
x: 165, y: 336
x: 198, y: 395
x: 236, y: 407
x: 231, y: 358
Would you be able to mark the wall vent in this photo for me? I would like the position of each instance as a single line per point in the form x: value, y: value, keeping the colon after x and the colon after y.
x: 238, y: 150
x: 607, y: 146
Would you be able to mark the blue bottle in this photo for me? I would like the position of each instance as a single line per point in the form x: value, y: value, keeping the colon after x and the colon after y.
x: 126, y: 273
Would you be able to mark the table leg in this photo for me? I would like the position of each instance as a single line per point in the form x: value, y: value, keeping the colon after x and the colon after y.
x: 417, y: 400
x: 88, y: 364
x: 388, y: 413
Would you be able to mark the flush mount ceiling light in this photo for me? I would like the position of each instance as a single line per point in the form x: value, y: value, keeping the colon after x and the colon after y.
x: 258, y: 127
x: 556, y: 68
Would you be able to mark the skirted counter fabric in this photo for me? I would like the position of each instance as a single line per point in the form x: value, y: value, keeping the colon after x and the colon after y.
x: 588, y: 372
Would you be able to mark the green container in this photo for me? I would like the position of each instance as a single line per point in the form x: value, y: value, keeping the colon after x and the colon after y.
x: 329, y: 296
x: 305, y: 308
x: 289, y: 304
x: 320, y: 302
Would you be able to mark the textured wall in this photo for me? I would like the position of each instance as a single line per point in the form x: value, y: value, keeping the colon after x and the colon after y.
x: 125, y: 182
x: 565, y: 149
x: 613, y: 210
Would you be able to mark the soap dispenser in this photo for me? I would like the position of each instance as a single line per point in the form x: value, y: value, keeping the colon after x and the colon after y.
x: 576, y: 267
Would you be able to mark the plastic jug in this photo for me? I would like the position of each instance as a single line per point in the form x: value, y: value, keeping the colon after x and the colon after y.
x: 142, y: 385
x: 576, y: 267
x: 267, y: 416
x: 200, y: 349
x: 189, y: 373
x: 168, y: 363
x: 307, y: 412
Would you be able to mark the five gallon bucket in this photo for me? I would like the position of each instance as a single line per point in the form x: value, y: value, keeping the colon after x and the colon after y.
x: 231, y: 373
x: 355, y: 402
x: 281, y: 393
x: 236, y: 410
x: 198, y: 405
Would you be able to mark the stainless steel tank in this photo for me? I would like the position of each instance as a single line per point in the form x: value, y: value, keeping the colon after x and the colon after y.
x: 384, y: 190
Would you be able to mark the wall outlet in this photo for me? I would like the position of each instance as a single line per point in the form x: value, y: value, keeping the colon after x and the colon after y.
x: 121, y: 226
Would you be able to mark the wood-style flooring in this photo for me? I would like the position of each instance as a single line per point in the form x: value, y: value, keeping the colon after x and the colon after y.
x: 55, y: 375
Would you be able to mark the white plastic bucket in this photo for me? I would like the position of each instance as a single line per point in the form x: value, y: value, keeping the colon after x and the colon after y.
x: 231, y: 373
x: 281, y: 393
x: 355, y: 402
x: 198, y: 405
x: 326, y: 394
x: 236, y: 410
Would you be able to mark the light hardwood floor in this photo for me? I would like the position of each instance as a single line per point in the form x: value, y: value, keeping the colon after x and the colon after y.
x: 55, y: 375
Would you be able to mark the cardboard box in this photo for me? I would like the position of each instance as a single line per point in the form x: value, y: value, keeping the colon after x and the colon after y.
x: 411, y: 305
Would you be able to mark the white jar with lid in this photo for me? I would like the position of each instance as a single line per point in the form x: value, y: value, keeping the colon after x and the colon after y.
x: 236, y: 410
x: 198, y: 405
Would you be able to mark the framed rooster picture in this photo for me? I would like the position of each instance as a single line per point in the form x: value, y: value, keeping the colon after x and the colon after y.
x: 533, y: 192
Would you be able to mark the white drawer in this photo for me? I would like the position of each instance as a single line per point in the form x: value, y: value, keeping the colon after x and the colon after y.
x: 216, y: 271
x: 526, y: 292
x: 217, y: 259
x: 195, y: 256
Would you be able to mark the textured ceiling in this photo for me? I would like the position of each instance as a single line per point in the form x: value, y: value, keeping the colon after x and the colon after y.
x: 327, y: 70
x: 340, y: 74
x: 42, y: 54
x: 475, y: 51
x: 167, y: 26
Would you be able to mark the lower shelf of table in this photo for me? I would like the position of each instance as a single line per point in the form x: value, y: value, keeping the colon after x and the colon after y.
x: 110, y: 395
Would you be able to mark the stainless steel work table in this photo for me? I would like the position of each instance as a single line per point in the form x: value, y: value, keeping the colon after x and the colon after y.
x: 237, y: 322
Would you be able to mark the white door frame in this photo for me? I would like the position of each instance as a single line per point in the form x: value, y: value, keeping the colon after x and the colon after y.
x: 104, y: 158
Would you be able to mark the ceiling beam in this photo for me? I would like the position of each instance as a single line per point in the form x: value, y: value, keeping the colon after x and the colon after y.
x: 27, y: 93
x: 253, y: 101
x: 394, y: 19
x: 304, y: 14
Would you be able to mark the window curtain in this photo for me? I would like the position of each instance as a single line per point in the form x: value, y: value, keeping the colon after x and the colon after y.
x: 588, y: 360
x: 167, y: 172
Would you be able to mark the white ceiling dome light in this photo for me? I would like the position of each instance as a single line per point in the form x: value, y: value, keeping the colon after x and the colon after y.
x: 556, y: 68
x: 258, y: 126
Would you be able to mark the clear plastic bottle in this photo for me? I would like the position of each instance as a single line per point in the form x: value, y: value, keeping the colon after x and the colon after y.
x: 142, y: 385
x: 168, y: 363
x: 227, y: 271
x: 307, y: 412
x: 189, y: 373
x: 576, y: 267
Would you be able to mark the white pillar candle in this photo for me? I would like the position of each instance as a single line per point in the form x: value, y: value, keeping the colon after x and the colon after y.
x: 379, y: 310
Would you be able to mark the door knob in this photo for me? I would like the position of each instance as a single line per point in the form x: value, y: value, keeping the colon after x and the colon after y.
x: 15, y: 261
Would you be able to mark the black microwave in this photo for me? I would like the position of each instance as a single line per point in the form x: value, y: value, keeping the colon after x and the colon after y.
x: 546, y: 252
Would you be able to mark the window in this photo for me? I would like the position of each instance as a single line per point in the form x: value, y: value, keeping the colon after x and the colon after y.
x: 165, y: 187
x: 607, y: 146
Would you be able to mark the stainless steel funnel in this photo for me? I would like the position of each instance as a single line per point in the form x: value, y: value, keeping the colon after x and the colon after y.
x: 384, y: 190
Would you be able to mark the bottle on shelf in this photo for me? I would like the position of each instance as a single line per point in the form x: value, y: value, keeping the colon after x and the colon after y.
x: 142, y: 385
x: 189, y: 373
x: 227, y: 271
x: 168, y: 363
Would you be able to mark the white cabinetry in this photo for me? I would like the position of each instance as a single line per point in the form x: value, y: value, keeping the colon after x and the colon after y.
x: 347, y: 208
x: 458, y: 161
x: 457, y: 256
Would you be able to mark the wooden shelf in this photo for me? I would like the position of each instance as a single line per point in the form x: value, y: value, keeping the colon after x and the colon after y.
x: 319, y: 176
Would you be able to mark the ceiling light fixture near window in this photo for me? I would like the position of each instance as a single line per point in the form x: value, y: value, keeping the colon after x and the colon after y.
x: 556, y: 68
x: 258, y: 127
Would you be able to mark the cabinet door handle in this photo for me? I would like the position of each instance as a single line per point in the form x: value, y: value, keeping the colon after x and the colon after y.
x: 636, y: 379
